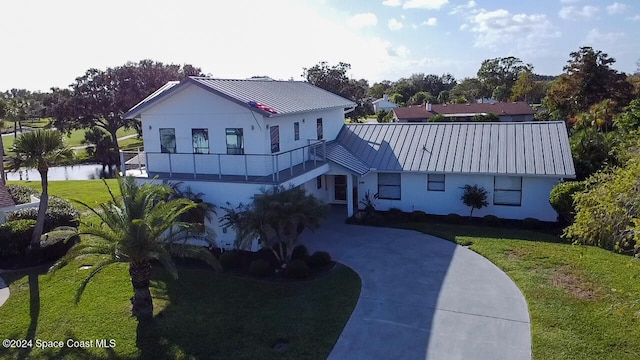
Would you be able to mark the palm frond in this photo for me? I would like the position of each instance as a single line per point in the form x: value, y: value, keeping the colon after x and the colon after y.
x: 97, y: 268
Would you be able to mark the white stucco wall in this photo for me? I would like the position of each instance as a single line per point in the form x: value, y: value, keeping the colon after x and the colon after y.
x: 414, y: 196
x: 196, y: 108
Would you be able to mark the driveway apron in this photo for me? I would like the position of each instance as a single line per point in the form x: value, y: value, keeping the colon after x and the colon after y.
x: 424, y: 298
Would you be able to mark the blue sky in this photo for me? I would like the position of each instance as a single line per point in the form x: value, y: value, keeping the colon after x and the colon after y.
x: 49, y: 43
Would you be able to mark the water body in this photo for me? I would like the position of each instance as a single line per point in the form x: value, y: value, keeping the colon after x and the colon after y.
x: 60, y: 173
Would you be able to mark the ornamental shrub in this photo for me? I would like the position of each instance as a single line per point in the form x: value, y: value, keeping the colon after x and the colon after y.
x: 15, y: 237
x: 475, y: 197
x: 418, y: 216
x: 297, y: 269
x: 60, y: 212
x: 319, y: 259
x: 561, y: 199
x: 21, y: 194
x: 491, y: 220
x: 260, y: 268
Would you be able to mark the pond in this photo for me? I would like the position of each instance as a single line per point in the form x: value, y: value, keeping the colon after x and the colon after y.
x: 58, y: 173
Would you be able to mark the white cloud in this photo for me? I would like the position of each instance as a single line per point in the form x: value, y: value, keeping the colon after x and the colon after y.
x: 391, y: 3
x: 463, y: 8
x: 587, y: 12
x: 617, y: 8
x: 363, y: 20
x: 394, y: 24
x: 595, y: 37
x: 425, y: 4
x: 569, y: 1
x: 464, y: 27
x: 501, y: 27
x: 430, y: 22
x: 635, y: 17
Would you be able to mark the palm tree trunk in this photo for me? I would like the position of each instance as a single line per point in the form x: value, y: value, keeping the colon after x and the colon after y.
x: 42, y: 209
x: 3, y: 176
x: 142, y: 304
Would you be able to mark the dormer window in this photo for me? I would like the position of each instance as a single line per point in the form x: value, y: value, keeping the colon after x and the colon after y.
x: 235, y: 141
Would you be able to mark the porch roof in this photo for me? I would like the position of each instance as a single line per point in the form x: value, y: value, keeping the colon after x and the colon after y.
x: 342, y: 156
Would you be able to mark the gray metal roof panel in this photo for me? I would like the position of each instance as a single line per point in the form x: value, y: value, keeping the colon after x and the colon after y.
x: 475, y: 148
x: 341, y: 156
x: 284, y: 97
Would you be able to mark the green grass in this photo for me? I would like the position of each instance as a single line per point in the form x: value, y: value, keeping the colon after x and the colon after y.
x: 584, y: 302
x: 88, y: 191
x: 201, y: 315
x: 72, y: 139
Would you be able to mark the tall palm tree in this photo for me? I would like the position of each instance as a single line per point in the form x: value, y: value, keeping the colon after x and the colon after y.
x: 143, y: 226
x: 40, y: 149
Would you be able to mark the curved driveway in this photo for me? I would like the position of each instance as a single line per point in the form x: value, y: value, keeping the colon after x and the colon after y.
x: 424, y: 298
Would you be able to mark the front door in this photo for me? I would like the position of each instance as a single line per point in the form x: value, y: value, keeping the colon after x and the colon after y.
x: 340, y: 187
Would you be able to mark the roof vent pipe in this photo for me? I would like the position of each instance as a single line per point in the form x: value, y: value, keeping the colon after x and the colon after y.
x: 429, y: 107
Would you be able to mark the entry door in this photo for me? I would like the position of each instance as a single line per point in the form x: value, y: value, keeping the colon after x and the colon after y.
x: 340, y: 187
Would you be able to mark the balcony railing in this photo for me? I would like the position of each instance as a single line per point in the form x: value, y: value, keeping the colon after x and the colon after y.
x: 247, y: 167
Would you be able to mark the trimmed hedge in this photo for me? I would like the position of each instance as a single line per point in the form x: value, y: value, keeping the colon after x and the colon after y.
x: 260, y: 268
x: 15, y: 237
x: 55, y: 244
x: 319, y: 259
x: 22, y: 194
x: 297, y: 269
x: 299, y: 252
x: 230, y: 260
x: 453, y: 218
x: 60, y: 212
x: 418, y: 216
x: 491, y: 220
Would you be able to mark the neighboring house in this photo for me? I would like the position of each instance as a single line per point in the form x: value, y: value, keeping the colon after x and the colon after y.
x: 230, y: 138
x: 383, y: 104
x: 506, y: 111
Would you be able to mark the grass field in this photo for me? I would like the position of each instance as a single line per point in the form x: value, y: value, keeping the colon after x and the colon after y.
x: 584, y: 302
x: 88, y: 191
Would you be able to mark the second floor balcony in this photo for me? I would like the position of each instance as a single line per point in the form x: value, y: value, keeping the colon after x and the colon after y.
x: 255, y: 168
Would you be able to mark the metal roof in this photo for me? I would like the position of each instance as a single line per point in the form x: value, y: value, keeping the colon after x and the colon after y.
x: 283, y: 97
x: 523, y: 148
x: 341, y: 156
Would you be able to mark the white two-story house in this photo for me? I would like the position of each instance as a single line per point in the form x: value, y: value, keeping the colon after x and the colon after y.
x: 229, y: 138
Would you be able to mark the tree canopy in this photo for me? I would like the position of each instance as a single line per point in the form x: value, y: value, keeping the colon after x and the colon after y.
x: 588, y: 80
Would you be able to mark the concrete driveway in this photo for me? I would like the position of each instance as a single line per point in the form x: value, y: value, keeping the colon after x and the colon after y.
x: 423, y: 297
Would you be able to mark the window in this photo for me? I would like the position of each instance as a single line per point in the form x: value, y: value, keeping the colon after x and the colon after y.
x: 319, y: 128
x: 389, y: 186
x: 319, y: 182
x: 200, y: 141
x: 275, y: 139
x: 435, y: 182
x: 340, y: 187
x: 296, y: 131
x: 168, y: 140
x: 235, y: 141
x: 507, y: 190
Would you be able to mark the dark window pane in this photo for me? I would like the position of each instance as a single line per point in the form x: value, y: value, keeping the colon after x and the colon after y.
x: 275, y: 139
x: 168, y: 140
x: 200, y: 140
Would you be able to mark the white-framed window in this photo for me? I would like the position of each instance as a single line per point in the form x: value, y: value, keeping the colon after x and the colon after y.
x: 389, y: 186
x: 319, y: 130
x: 435, y: 182
x: 296, y: 131
x: 168, y: 140
x: 200, y: 141
x: 275, y: 139
x: 507, y: 190
x: 235, y: 141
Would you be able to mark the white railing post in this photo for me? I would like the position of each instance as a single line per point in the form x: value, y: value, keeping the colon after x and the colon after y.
x: 304, y: 160
x: 219, y: 168
x: 291, y: 162
x: 273, y: 173
x: 139, y: 163
x: 324, y: 150
x: 246, y: 171
x: 146, y: 162
x: 194, y: 165
x: 170, y: 167
x: 277, y: 169
x: 123, y: 166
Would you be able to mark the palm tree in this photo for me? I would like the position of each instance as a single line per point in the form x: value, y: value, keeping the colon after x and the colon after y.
x: 143, y: 226
x: 40, y: 149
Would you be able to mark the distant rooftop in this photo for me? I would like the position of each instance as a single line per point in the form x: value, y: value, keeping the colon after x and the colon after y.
x: 470, y: 109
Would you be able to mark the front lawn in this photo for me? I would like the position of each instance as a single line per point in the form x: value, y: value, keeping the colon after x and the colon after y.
x: 202, y: 315
x: 584, y: 301
x: 88, y: 191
